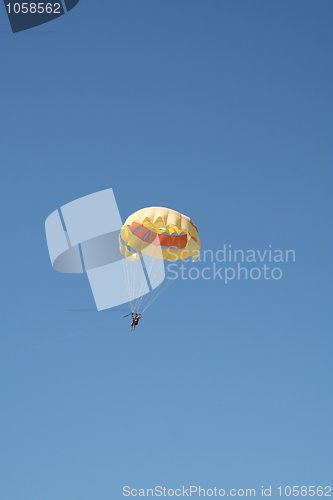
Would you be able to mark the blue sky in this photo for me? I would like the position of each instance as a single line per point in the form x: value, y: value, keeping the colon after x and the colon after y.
x: 222, y: 110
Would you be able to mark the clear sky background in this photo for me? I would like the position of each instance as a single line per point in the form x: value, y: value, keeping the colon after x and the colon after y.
x: 222, y: 110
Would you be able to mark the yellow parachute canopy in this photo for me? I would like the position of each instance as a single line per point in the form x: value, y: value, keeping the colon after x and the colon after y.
x: 159, y: 232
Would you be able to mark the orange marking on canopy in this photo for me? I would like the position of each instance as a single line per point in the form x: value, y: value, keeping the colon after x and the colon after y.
x: 165, y: 240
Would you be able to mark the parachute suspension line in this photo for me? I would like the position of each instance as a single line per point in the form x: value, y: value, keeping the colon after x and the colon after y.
x: 139, y: 290
x: 145, y: 272
x: 149, y: 266
x: 155, y: 275
x: 156, y: 296
x: 142, y: 292
x: 129, y: 283
x: 161, y: 290
x: 153, y: 270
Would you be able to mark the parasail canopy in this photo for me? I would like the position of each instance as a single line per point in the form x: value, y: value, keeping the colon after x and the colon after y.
x: 161, y: 233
